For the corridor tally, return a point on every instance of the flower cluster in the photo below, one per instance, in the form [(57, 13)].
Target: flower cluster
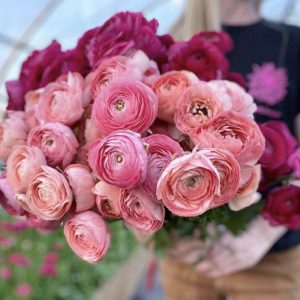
[(116, 139)]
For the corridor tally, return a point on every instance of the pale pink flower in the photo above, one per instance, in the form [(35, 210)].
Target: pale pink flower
[(32, 99), (88, 236), (81, 182), (125, 104), (57, 142), (23, 164), (140, 212), (116, 156), (13, 131)]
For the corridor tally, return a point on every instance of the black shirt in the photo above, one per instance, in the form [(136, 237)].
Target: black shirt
[(266, 42)]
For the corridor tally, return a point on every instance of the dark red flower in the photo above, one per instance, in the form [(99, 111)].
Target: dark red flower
[(283, 207), (221, 40)]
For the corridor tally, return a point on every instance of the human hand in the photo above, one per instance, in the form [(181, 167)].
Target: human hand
[(231, 254)]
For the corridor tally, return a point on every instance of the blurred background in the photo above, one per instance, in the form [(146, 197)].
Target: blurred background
[(36, 265)]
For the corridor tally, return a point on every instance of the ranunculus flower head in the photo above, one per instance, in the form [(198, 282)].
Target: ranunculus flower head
[(57, 142), (62, 100), (168, 88), (117, 156), (88, 236), (189, 185), (107, 199), (81, 182), (294, 162), (125, 104), (140, 212), (161, 151), (283, 207), (196, 106), (32, 99), (23, 164), (13, 131), (234, 132), (49, 196)]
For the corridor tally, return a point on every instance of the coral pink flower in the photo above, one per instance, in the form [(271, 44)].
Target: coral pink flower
[(118, 155), (233, 132), (168, 88), (88, 236), (62, 100), (189, 185), (81, 182), (107, 199), (49, 196), (125, 104), (140, 212), (196, 106), (13, 131), (57, 142), (23, 164), (161, 151), (23, 290)]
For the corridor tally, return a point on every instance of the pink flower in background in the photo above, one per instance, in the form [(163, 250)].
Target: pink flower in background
[(81, 182), (189, 185), (168, 88), (294, 162), (50, 258), (23, 290), (62, 100), (118, 155), (267, 83), (48, 270), (161, 151), (88, 236), (125, 104), (140, 212), (49, 196), (197, 105), (5, 273), (57, 142), (7, 242), (23, 164), (15, 227), (107, 199), (57, 247), (19, 259), (13, 131)]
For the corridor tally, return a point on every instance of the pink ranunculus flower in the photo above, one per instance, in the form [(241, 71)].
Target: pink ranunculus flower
[(82, 153), (195, 107), (294, 162), (91, 132), (247, 193), (81, 182), (23, 164), (151, 74), (88, 236), (120, 159), (229, 172), (140, 212), (7, 197), (233, 97), (13, 131), (57, 142), (113, 69), (125, 104), (49, 196), (168, 89), (32, 100), (107, 200), (62, 100), (234, 132), (161, 151), (189, 185)]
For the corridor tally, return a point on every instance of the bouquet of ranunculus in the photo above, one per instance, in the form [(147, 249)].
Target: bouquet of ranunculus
[(130, 126)]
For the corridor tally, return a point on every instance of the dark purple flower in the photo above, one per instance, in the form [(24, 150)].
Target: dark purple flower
[(283, 207)]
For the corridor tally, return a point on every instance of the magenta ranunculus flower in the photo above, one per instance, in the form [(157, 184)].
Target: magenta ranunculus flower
[(57, 142), (283, 207), (189, 185), (120, 159), (140, 212), (125, 104), (280, 144), (88, 236), (161, 151)]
